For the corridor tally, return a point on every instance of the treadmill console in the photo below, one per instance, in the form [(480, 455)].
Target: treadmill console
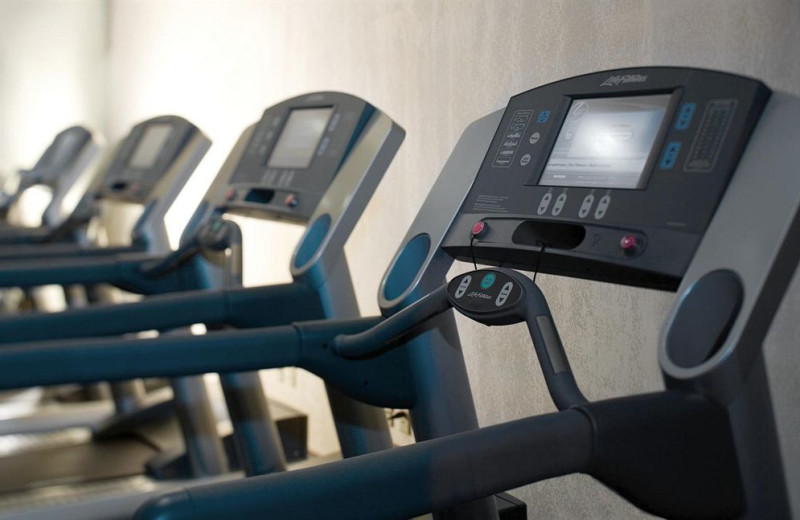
[(615, 175), (144, 156), (62, 152), (293, 154)]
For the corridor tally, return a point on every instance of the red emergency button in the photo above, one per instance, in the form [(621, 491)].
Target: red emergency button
[(478, 228), (291, 200), (629, 243)]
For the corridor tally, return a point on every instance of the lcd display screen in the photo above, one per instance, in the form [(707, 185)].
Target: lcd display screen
[(605, 142), (299, 138), (146, 153)]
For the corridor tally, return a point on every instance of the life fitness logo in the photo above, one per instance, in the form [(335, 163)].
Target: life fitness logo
[(613, 81)]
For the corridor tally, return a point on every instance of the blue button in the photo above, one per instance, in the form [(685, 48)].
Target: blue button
[(670, 155), (685, 115), (487, 281), (544, 115)]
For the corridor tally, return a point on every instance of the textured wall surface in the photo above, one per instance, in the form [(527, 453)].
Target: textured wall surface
[(52, 74), (435, 67)]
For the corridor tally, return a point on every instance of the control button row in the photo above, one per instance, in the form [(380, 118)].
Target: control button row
[(583, 212)]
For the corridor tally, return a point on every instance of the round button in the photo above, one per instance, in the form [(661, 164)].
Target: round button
[(534, 138), (629, 243), (291, 200), (478, 228), (487, 281), (525, 159)]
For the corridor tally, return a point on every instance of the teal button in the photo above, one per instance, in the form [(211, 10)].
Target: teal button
[(487, 281)]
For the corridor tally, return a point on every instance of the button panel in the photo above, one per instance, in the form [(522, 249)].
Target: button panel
[(667, 208), (486, 291), (513, 136)]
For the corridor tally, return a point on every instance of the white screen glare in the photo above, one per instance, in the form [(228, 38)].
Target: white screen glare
[(299, 138), (149, 146), (605, 142)]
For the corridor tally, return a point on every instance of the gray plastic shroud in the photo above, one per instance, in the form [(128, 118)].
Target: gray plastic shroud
[(151, 227), (436, 216), (319, 262), (444, 403), (215, 269), (215, 195), (754, 234), (77, 175)]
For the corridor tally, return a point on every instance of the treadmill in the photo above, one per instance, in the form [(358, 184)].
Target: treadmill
[(63, 167), (428, 376), (317, 156), (710, 208), (149, 167)]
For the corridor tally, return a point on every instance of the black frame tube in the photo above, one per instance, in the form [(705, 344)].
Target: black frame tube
[(239, 307), (398, 483)]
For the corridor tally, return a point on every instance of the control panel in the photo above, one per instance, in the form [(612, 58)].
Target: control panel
[(64, 150), (144, 156), (490, 296), (294, 152), (612, 175)]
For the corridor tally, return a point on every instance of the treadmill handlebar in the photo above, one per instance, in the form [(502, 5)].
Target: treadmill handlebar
[(22, 235), (498, 296), (397, 483), (53, 251), (383, 380), (215, 235), (239, 306), (168, 263), (490, 296), (388, 331), (70, 270), (669, 453), (155, 313)]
